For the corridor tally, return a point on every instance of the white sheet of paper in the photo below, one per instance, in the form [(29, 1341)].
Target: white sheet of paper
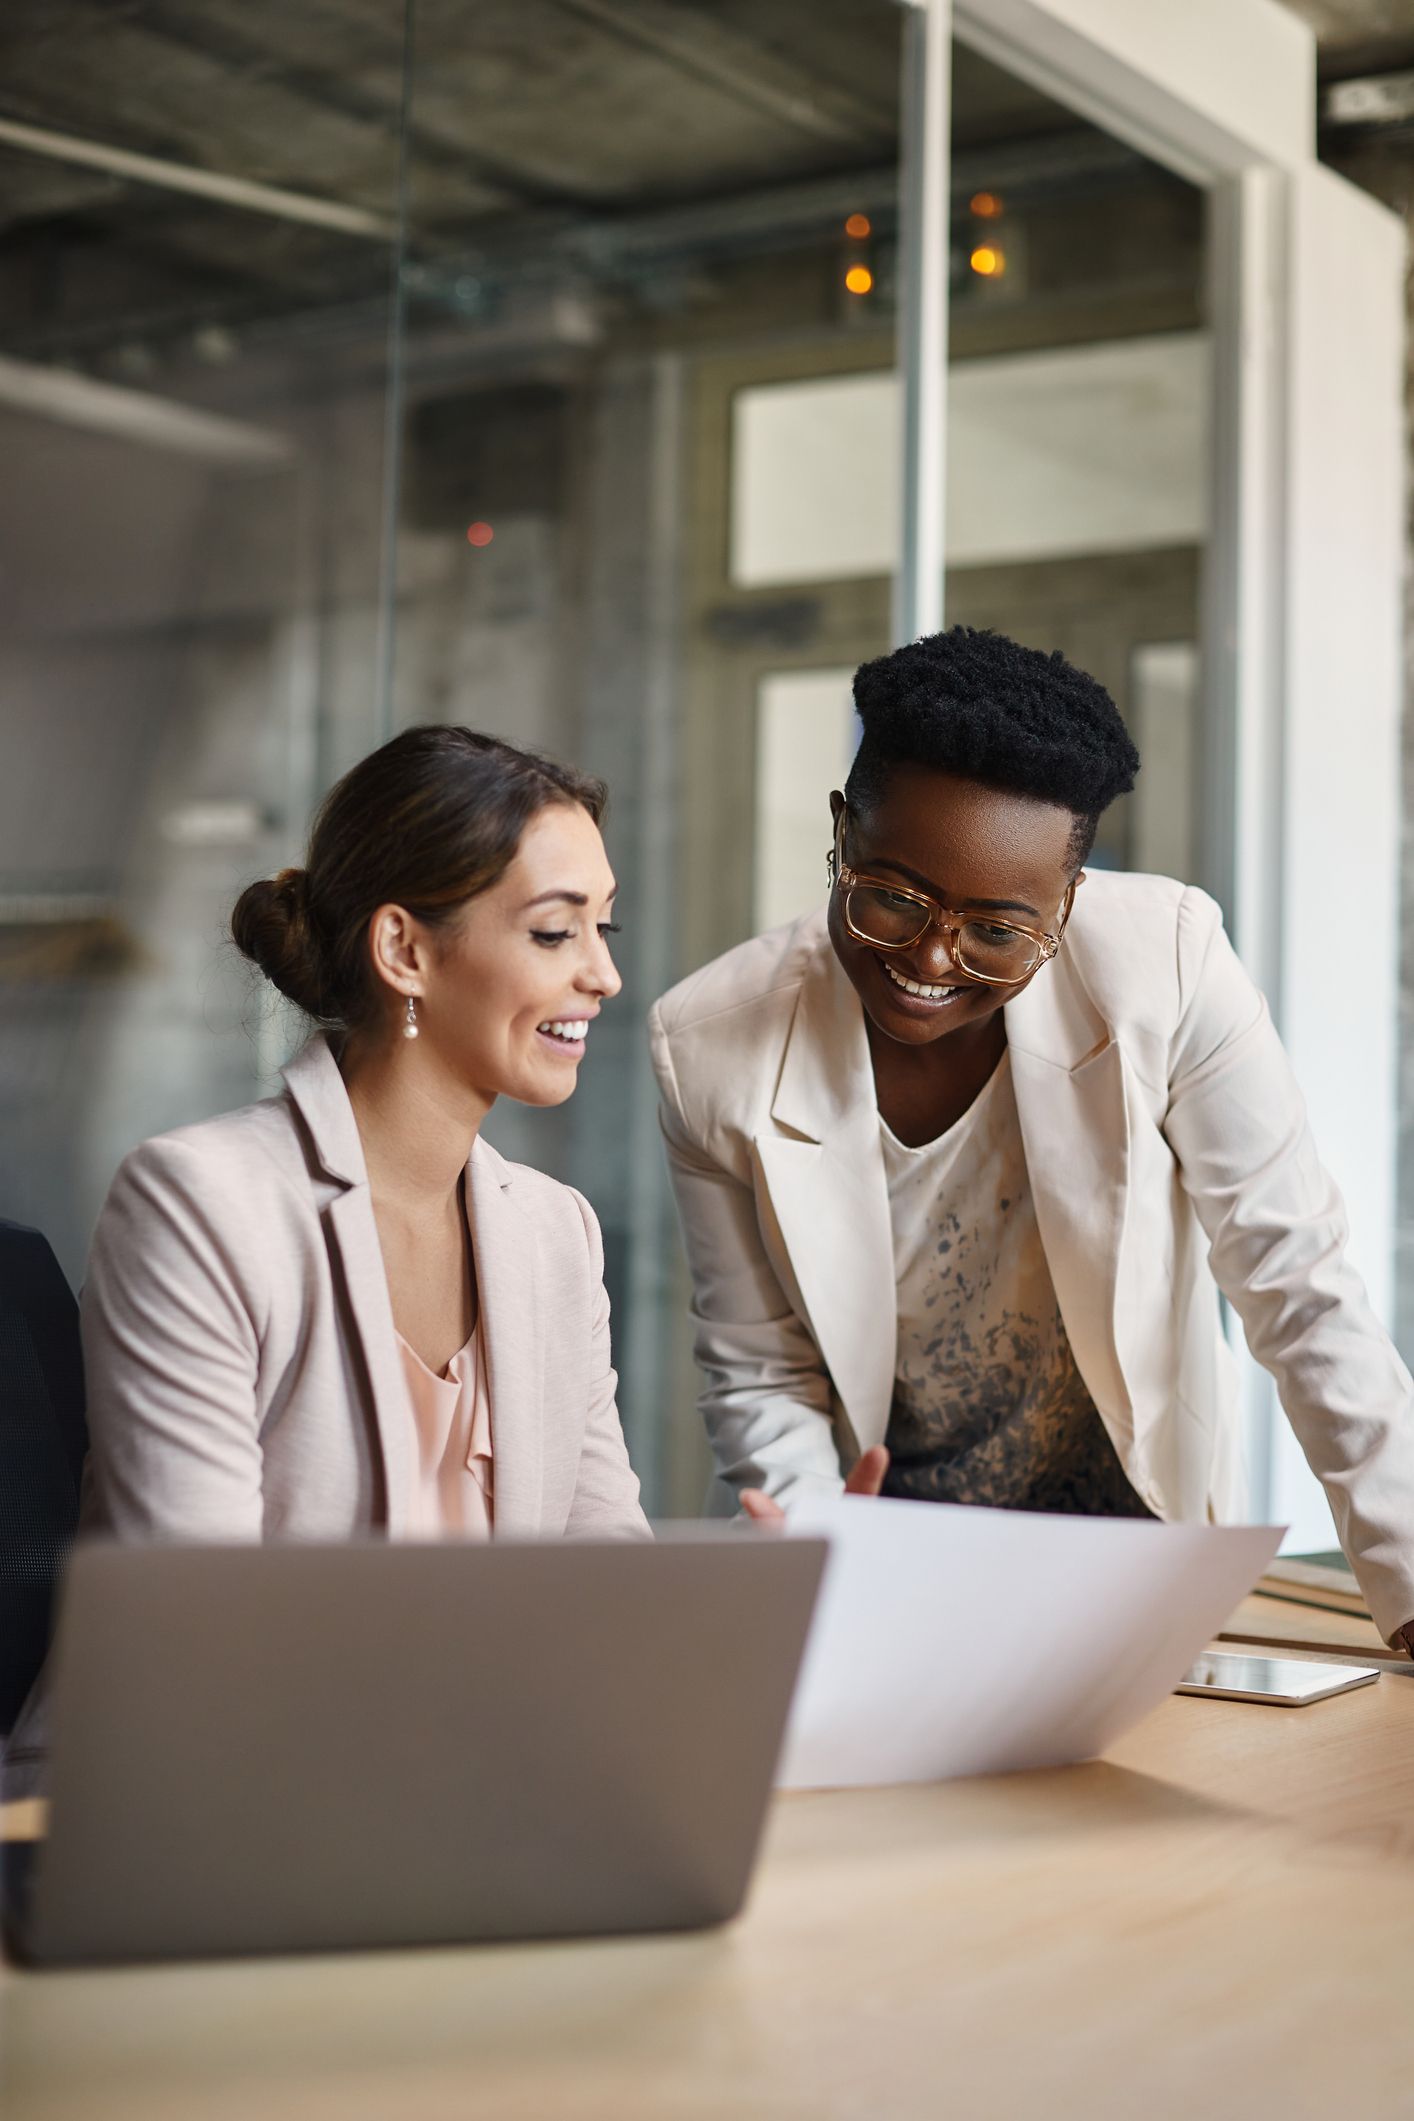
[(950, 1641)]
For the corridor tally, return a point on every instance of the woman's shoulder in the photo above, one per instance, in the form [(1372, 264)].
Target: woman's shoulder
[(1143, 944), (1121, 910), (246, 1156), (763, 974), (222, 1206), (557, 1213)]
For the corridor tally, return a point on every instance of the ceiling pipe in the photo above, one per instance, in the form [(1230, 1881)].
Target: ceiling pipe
[(237, 192), (137, 416)]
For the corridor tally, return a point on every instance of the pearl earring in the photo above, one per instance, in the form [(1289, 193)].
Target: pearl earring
[(410, 1027)]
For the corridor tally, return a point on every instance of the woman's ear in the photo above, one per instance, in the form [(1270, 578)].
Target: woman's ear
[(397, 950), (832, 859)]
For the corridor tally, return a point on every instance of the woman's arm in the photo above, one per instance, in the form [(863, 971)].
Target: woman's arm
[(1277, 1232), (766, 1398), (171, 1356)]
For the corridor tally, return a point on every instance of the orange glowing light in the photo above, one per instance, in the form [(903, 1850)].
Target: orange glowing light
[(985, 204), (859, 226), (859, 279), (479, 534), (988, 262)]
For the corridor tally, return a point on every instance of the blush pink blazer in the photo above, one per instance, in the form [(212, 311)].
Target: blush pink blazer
[(244, 1377)]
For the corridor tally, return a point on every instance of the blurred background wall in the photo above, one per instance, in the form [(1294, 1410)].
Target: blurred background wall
[(1367, 133)]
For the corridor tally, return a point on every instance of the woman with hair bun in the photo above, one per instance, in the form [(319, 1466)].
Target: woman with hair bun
[(340, 1311)]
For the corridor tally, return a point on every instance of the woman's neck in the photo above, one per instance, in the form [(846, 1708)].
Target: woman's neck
[(922, 1091), (416, 1124)]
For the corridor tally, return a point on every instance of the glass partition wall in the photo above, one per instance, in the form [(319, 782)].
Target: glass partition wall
[(196, 235), (681, 204), (1078, 423), (366, 366)]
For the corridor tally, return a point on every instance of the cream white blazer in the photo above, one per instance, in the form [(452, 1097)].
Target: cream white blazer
[(243, 1374), (1169, 1156)]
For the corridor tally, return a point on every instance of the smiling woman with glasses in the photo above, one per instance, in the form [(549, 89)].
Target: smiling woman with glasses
[(965, 1157)]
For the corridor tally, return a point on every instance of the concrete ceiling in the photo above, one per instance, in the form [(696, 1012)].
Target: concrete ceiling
[(549, 128), (1358, 34), (529, 118), (516, 103)]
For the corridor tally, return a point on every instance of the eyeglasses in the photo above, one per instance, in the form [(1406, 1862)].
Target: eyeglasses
[(888, 916)]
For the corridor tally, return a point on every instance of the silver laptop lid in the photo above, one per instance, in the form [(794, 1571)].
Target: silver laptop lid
[(290, 1747)]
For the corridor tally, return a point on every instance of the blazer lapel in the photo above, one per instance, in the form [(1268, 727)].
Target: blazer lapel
[(512, 1321), (349, 1217), (316, 1088), (1068, 1074), (823, 1170)]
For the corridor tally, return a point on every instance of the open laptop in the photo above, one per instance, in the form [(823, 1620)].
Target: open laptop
[(287, 1748)]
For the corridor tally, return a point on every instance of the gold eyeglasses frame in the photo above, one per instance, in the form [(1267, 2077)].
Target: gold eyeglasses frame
[(936, 915)]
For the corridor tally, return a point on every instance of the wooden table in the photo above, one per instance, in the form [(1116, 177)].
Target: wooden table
[(1218, 1919)]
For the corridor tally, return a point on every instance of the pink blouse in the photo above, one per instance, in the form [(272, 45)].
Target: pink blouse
[(453, 1493)]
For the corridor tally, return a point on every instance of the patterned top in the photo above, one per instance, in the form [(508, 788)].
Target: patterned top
[(988, 1406)]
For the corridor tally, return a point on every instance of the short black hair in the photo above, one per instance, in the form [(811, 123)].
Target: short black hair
[(981, 706)]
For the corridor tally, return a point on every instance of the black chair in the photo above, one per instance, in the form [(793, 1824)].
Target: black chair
[(43, 1439)]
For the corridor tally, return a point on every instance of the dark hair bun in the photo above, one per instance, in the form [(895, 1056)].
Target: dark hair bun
[(271, 925)]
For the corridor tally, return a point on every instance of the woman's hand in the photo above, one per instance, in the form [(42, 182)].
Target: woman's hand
[(866, 1478)]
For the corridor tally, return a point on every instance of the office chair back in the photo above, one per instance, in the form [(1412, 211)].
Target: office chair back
[(43, 1439)]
